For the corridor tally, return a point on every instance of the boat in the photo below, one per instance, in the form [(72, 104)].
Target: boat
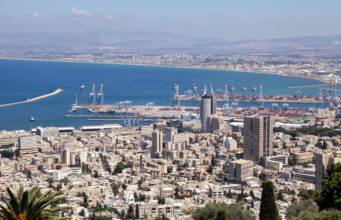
[(82, 87), (32, 119)]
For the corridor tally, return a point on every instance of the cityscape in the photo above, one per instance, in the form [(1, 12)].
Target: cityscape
[(152, 125)]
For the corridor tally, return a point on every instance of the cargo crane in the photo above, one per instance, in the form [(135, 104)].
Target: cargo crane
[(254, 90), (176, 95), (100, 96), (261, 96), (225, 96), (244, 91), (194, 88), (231, 89), (92, 95)]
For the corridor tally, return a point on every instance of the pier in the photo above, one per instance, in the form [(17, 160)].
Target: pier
[(34, 99), (270, 99)]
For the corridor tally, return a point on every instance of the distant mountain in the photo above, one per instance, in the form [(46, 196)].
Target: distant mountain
[(158, 42)]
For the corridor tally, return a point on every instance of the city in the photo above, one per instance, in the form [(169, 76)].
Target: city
[(170, 110)]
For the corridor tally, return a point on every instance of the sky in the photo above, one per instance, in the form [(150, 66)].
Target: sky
[(228, 19)]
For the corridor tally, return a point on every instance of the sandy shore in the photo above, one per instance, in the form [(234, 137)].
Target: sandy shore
[(34, 99)]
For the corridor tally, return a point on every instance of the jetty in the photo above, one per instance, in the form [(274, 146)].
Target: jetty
[(57, 91)]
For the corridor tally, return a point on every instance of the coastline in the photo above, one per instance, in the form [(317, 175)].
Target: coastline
[(163, 66)]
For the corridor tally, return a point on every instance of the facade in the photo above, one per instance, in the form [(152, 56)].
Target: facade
[(240, 170), (28, 145), (258, 137), (47, 132), (72, 156), (157, 142)]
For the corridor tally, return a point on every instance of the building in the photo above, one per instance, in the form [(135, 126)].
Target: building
[(65, 172), (157, 142), (47, 132), (258, 137), (170, 133), (240, 170), (160, 126), (208, 106), (213, 123), (72, 156), (230, 144), (322, 160), (28, 145)]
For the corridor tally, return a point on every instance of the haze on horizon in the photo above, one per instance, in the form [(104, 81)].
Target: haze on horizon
[(230, 20)]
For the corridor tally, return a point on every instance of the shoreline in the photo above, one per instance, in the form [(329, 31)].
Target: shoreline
[(57, 91), (178, 67)]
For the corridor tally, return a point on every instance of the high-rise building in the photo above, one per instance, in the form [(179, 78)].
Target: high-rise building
[(157, 142), (213, 123), (208, 106), (160, 126), (258, 137)]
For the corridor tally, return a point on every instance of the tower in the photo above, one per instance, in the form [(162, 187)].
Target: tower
[(157, 142), (208, 107), (258, 137)]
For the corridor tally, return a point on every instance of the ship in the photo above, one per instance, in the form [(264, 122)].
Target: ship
[(82, 87), (32, 119)]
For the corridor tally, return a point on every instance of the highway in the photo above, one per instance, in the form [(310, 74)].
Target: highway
[(33, 99)]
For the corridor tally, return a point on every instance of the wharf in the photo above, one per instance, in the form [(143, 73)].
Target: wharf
[(278, 99)]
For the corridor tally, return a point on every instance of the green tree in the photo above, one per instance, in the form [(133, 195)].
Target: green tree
[(330, 214), (29, 174), (297, 208), (252, 194), (130, 213), (31, 204), (58, 167), (234, 212), (137, 212), (268, 208), (120, 167), (221, 214), (161, 199), (238, 212), (330, 196), (115, 189), (50, 181)]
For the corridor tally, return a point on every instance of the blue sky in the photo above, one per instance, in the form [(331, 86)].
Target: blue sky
[(232, 20)]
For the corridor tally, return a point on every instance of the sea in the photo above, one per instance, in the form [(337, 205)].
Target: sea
[(23, 79)]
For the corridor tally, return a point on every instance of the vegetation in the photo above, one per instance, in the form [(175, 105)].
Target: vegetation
[(309, 130), (268, 208), (297, 208), (221, 214), (119, 167), (331, 214), (213, 211), (31, 204), (330, 196), (161, 200)]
